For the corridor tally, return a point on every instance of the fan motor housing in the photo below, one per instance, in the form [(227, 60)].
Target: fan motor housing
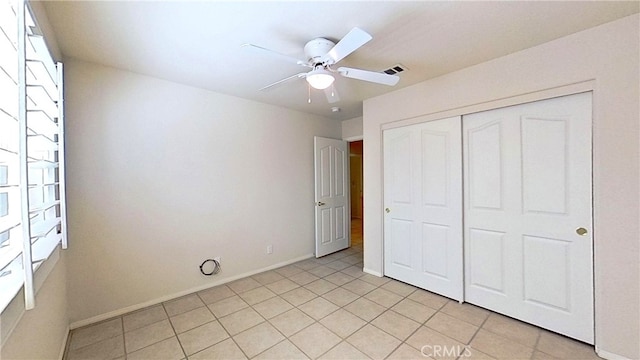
[(317, 48)]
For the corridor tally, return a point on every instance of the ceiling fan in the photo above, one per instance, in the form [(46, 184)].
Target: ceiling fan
[(321, 55)]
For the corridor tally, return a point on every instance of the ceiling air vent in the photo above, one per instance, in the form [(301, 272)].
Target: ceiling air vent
[(395, 69)]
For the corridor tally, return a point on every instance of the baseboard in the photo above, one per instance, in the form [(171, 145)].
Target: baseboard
[(64, 343), (609, 355), (128, 309), (372, 272)]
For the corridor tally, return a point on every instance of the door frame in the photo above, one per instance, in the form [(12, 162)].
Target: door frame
[(349, 140), (361, 175)]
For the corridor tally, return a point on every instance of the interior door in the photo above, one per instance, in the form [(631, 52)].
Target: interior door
[(528, 242), (423, 206), (333, 222)]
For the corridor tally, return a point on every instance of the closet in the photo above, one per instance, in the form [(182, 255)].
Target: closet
[(495, 209)]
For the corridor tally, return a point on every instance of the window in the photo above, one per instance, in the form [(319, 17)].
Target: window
[(32, 192)]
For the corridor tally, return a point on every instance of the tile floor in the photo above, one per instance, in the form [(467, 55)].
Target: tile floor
[(323, 308)]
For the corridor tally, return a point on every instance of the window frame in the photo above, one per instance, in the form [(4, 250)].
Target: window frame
[(40, 192)]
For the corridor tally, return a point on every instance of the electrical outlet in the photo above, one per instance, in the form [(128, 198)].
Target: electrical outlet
[(269, 249)]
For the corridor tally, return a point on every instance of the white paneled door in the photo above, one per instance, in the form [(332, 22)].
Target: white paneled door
[(423, 206), (333, 222), (528, 227)]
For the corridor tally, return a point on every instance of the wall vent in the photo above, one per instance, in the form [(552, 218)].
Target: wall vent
[(395, 69)]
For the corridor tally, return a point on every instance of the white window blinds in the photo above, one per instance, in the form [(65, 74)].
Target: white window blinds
[(32, 191)]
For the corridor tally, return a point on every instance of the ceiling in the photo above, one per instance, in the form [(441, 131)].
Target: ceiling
[(198, 43)]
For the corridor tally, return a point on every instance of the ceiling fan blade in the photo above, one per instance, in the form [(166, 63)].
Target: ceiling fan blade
[(260, 49), (270, 86), (332, 94), (349, 43), (371, 76)]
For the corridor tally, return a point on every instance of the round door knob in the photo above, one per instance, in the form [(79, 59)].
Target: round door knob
[(387, 210), (581, 231)]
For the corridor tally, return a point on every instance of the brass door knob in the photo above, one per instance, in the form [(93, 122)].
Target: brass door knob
[(581, 231), (387, 210)]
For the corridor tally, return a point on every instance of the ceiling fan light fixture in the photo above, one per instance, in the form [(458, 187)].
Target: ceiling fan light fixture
[(320, 78)]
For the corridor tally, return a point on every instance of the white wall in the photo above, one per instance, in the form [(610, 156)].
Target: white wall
[(604, 59), (352, 129), (163, 176), (39, 333)]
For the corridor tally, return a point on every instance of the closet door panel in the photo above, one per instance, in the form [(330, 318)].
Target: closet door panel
[(422, 191), (485, 165), (528, 203), (486, 251)]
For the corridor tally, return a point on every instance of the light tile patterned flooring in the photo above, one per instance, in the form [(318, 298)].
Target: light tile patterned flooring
[(323, 308)]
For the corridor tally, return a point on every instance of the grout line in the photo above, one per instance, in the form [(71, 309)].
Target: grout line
[(237, 345), (124, 342), (480, 327), (405, 297), (535, 345), (74, 331), (286, 338), (175, 333), (297, 307)]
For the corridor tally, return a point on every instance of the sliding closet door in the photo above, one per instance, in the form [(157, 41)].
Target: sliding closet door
[(528, 228), (423, 206)]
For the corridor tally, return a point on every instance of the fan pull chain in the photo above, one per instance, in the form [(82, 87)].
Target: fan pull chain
[(309, 93)]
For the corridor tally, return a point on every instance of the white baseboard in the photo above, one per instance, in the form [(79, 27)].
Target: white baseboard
[(609, 355), (372, 272), (128, 309)]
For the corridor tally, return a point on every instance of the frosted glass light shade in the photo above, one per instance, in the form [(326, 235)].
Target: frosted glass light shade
[(320, 79)]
